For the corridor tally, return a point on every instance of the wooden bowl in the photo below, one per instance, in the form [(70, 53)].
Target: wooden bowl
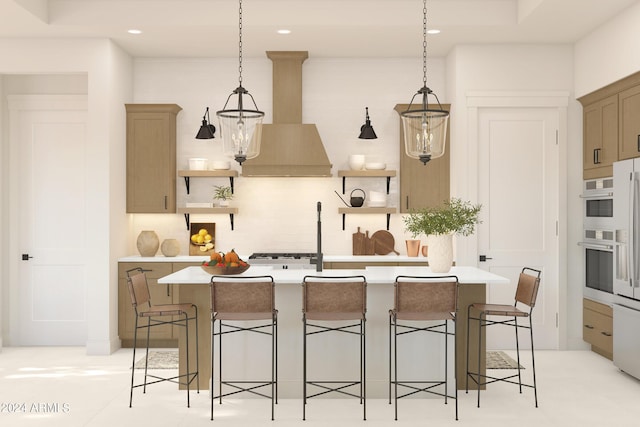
[(224, 271)]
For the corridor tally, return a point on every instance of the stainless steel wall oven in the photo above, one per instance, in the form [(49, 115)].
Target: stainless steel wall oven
[(598, 203), (598, 246)]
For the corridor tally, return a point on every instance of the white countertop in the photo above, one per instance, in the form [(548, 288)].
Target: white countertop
[(374, 275), (325, 258)]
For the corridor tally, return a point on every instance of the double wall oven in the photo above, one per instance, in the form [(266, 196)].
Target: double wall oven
[(598, 239)]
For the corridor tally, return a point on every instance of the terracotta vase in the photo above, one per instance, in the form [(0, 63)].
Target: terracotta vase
[(425, 250), (413, 247), (170, 247), (440, 252), (148, 243)]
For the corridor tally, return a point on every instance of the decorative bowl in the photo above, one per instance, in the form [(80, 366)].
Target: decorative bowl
[(221, 165), (198, 164), (224, 271), (375, 166)]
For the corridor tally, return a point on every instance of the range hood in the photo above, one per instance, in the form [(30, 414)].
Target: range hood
[(288, 147)]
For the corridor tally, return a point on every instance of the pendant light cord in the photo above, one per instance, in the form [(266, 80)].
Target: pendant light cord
[(424, 42), (240, 43)]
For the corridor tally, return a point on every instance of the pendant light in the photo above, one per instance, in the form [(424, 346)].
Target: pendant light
[(425, 129), (366, 130), (240, 129), (207, 130)]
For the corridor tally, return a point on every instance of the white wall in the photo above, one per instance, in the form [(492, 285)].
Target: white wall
[(108, 72), (608, 54)]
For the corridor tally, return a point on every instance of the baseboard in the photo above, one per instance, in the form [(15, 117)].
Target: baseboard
[(103, 347)]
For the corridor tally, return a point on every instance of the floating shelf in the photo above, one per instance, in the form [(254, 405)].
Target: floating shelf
[(366, 174), (366, 211), (188, 211), (187, 174)]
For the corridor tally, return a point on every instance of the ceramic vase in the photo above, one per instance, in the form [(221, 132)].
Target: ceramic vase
[(440, 252), (425, 250), (413, 247), (148, 243), (170, 247)]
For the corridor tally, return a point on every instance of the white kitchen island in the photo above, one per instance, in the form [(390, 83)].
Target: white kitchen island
[(247, 356)]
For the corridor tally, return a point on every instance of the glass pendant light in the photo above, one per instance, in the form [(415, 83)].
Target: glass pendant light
[(207, 130), (240, 129), (366, 130), (425, 129)]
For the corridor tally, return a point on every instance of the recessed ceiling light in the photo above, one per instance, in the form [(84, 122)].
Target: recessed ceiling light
[(134, 31), (433, 31), (284, 31)]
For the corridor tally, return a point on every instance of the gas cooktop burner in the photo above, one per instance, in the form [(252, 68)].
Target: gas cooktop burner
[(282, 255)]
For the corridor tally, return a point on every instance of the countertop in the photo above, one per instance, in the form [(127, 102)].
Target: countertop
[(325, 258), (374, 275)]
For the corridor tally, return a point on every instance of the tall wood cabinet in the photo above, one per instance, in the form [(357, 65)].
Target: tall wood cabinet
[(423, 185), (629, 123), (151, 158)]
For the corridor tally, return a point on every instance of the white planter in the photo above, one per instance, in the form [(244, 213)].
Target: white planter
[(440, 252)]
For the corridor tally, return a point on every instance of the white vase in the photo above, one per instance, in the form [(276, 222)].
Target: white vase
[(440, 252)]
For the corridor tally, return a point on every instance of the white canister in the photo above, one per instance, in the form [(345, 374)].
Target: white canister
[(356, 162)]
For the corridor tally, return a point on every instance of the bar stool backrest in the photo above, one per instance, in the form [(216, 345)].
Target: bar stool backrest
[(416, 296), (334, 298), (138, 289), (527, 290), (249, 298)]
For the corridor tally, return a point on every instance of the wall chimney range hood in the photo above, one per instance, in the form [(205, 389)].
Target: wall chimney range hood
[(288, 147)]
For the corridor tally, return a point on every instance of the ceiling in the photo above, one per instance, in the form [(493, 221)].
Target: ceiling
[(325, 28)]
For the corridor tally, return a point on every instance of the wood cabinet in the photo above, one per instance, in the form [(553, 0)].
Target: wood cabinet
[(423, 185), (611, 126), (600, 130), (160, 336), (151, 158), (629, 123), (597, 327)]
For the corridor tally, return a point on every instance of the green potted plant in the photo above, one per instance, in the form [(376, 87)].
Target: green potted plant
[(439, 224), (223, 194)]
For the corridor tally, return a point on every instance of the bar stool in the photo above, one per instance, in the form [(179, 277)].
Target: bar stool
[(249, 300), (327, 301), (422, 299), (158, 315), (526, 294)]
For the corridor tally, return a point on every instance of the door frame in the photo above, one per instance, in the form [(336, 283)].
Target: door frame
[(17, 103), (559, 100)]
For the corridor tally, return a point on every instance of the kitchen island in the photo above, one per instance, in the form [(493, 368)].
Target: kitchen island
[(421, 356)]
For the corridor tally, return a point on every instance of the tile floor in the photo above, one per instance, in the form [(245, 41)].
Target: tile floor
[(61, 386)]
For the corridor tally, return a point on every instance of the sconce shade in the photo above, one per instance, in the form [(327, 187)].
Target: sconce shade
[(366, 130), (207, 131)]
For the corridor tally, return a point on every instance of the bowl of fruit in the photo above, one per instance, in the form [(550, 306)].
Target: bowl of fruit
[(225, 264)]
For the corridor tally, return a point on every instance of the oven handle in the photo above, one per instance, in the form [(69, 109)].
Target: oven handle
[(589, 245), (596, 196)]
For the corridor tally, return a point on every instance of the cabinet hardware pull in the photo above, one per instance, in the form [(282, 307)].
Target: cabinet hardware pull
[(606, 334), (168, 294), (596, 156), (588, 326), (407, 202), (639, 143), (165, 203)]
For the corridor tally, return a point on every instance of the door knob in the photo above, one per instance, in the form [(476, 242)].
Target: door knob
[(26, 257), (484, 258)]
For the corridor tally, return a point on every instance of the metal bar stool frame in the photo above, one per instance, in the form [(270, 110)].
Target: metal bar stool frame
[(253, 299), (348, 303), (421, 304), (140, 296), (526, 294)]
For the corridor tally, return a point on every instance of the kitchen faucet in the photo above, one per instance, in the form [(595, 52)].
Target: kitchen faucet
[(319, 254)]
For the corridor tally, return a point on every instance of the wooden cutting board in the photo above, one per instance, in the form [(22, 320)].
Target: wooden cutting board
[(384, 242), (359, 243), (369, 245)]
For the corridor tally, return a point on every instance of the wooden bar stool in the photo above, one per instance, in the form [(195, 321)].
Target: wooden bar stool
[(329, 301), (526, 294), (158, 315), (418, 300), (244, 304)]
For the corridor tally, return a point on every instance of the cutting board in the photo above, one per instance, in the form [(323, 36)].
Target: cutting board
[(384, 242), (358, 243), (369, 245)]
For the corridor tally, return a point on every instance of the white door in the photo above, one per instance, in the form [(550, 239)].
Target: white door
[(48, 221), (519, 189)]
